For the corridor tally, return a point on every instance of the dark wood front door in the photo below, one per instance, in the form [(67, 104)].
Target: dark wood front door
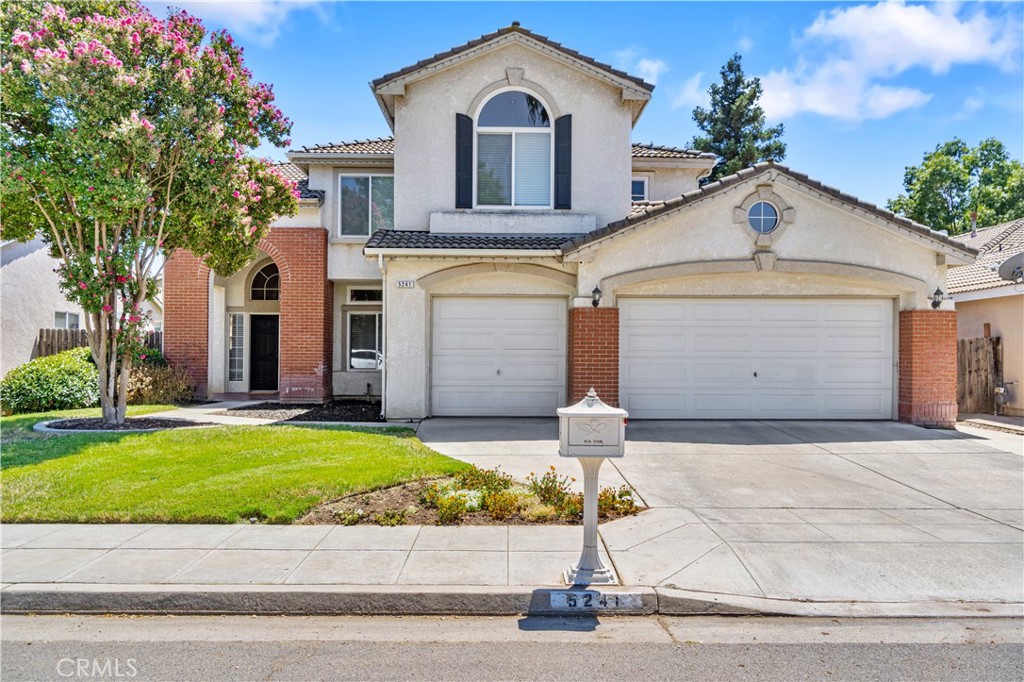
[(263, 353)]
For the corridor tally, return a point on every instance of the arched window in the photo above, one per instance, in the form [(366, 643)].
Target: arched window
[(513, 152), (266, 284)]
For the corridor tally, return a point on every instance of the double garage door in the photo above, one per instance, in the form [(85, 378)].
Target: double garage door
[(679, 358), (756, 358)]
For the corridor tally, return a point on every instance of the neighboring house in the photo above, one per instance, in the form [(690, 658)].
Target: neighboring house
[(983, 297), (510, 247), (32, 300)]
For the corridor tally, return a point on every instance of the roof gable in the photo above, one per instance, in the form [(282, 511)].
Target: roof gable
[(996, 244), (391, 85), (651, 211)]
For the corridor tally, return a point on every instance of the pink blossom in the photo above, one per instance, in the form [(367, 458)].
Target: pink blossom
[(134, 318), (83, 285), (236, 194), (121, 279), (91, 188), (107, 308), (142, 357), (21, 38), (25, 66)]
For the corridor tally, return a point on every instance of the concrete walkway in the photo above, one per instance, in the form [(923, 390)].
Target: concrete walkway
[(813, 518)]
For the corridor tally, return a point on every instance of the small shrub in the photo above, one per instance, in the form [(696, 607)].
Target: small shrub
[(393, 517), (539, 512), (501, 505), (430, 494), (488, 480), (570, 506), (451, 509), (348, 517), (156, 384), (64, 381), (150, 356), (549, 488), (615, 502)]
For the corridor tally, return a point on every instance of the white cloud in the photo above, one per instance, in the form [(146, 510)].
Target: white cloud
[(690, 94), (259, 21), (648, 68), (849, 53), (972, 105), (745, 44)]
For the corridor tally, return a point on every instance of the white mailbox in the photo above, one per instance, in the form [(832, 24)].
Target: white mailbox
[(591, 429)]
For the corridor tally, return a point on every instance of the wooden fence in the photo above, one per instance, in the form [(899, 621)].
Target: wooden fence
[(979, 369), (53, 341)]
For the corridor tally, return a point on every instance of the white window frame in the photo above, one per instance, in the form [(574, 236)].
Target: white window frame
[(513, 130), (349, 290), (67, 314), (348, 338), (369, 217), (647, 185), (245, 350)]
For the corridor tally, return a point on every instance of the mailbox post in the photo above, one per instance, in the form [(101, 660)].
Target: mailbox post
[(591, 431)]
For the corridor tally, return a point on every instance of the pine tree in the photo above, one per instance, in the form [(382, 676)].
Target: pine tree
[(734, 125)]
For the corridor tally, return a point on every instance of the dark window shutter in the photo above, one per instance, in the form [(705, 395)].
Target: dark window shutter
[(463, 161), (563, 162)]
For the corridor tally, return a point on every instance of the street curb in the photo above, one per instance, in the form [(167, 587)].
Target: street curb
[(676, 602), (322, 600), (433, 600)]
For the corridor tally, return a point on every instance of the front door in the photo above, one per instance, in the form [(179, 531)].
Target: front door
[(263, 353)]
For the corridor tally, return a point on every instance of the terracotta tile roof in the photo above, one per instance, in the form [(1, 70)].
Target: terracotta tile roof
[(408, 239), (386, 145), (380, 145), (514, 28), (995, 244), (655, 151), (646, 211), (290, 170)]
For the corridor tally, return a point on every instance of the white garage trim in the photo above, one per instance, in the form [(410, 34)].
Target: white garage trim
[(498, 356), (757, 358)]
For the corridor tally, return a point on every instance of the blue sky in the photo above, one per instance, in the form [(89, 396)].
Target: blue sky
[(863, 89)]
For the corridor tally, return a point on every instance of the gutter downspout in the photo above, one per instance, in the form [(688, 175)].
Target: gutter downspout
[(384, 335)]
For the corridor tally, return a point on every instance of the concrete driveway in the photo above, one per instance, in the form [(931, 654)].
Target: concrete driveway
[(818, 511)]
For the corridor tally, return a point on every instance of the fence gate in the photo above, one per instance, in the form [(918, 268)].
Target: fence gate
[(979, 369)]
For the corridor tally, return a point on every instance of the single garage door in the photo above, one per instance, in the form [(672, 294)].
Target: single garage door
[(500, 356), (756, 358)]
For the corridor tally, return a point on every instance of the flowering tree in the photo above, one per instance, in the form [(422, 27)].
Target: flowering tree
[(125, 137)]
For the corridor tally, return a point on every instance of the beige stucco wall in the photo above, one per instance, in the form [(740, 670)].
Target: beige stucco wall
[(307, 216), (820, 235), (425, 127), (407, 335), (30, 297), (668, 183), (1006, 317), (351, 382)]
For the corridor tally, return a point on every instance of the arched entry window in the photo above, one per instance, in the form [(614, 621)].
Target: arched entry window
[(514, 152), (266, 284)]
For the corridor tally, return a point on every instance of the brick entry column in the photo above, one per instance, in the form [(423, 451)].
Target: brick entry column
[(927, 369), (594, 353), (187, 316), (307, 304)]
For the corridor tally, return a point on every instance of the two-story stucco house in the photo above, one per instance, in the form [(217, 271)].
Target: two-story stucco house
[(510, 247)]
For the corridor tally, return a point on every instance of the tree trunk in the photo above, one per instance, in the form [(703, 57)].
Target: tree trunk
[(112, 413)]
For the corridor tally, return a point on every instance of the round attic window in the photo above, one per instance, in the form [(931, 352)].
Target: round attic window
[(763, 217)]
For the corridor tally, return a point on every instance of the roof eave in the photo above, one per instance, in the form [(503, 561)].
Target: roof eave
[(461, 253)]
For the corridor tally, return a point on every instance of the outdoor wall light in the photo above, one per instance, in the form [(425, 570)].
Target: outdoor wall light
[(937, 298), (596, 295)]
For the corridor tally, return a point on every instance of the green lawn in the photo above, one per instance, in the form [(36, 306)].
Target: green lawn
[(213, 475)]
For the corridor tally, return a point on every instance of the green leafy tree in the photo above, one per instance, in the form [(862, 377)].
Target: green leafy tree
[(956, 180), (734, 125), (125, 137)]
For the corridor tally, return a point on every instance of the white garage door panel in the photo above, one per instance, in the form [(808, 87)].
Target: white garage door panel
[(498, 356), (814, 358)]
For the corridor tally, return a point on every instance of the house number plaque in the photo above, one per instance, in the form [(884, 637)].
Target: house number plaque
[(405, 284)]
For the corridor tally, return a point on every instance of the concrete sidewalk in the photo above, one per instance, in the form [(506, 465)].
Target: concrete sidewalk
[(807, 518)]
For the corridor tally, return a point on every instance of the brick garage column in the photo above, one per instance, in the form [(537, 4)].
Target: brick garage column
[(927, 369), (307, 303), (594, 353), (187, 316)]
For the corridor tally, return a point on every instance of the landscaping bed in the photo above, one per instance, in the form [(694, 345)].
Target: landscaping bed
[(335, 411), (474, 497), (130, 424)]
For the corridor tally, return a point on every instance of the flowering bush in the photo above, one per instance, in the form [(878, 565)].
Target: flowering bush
[(125, 137), (64, 381)]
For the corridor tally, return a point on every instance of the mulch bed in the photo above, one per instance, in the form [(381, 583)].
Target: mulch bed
[(336, 411), (130, 424)]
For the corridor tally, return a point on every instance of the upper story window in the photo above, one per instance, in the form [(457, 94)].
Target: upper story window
[(639, 189), (366, 204), (266, 284), (514, 152)]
